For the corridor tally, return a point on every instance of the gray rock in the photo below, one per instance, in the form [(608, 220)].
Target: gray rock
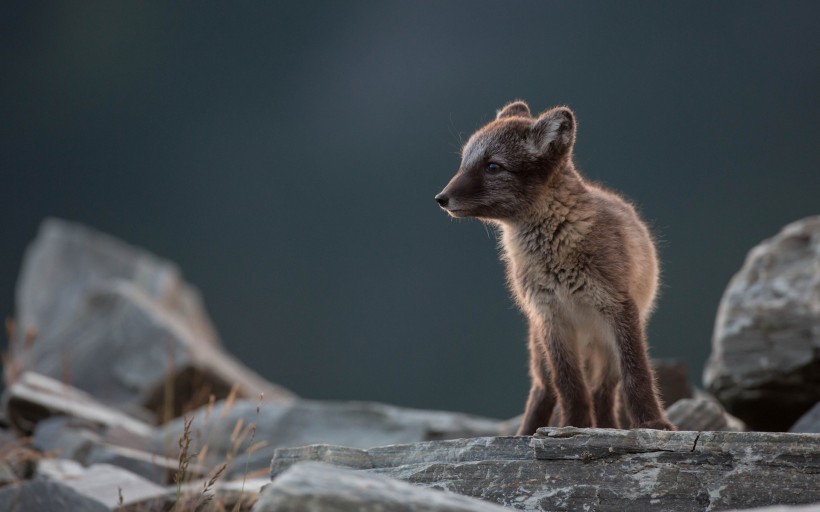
[(783, 508), (702, 414), (68, 260), (99, 435), (765, 362), (323, 488), (43, 495), (600, 469), (809, 422), (34, 397), (102, 483), (151, 466), (354, 424), (65, 438), (116, 321)]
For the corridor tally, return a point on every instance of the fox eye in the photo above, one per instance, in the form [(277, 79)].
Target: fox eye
[(493, 167)]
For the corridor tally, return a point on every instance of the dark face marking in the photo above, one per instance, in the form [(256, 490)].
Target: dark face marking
[(500, 176)]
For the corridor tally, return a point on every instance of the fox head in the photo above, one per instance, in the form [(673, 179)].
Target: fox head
[(506, 164)]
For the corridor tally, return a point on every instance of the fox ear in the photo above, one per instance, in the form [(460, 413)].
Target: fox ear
[(554, 132), (516, 108)]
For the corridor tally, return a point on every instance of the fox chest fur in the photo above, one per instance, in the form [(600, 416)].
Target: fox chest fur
[(548, 266), (551, 275)]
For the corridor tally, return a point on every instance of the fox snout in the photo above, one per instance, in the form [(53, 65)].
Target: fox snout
[(452, 198)]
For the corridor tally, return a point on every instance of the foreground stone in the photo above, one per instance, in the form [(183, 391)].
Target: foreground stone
[(600, 469), (765, 362), (43, 495), (101, 482), (115, 320), (245, 433), (323, 488)]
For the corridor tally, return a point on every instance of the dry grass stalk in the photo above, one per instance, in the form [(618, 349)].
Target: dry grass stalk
[(184, 458), (229, 401)]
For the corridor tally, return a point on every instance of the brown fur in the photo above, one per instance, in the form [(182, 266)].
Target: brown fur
[(580, 262)]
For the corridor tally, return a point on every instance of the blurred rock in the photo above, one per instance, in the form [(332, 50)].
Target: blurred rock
[(34, 397), (322, 488), (116, 321), (809, 422), (702, 414), (765, 362), (65, 438), (585, 469), (43, 495), (231, 430), (152, 467), (100, 482)]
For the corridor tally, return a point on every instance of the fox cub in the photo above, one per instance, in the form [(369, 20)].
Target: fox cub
[(580, 262)]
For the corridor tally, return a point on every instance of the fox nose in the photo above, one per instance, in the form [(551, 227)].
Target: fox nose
[(442, 199)]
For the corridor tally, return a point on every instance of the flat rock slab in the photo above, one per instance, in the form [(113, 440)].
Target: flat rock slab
[(323, 488), (34, 397), (600, 469)]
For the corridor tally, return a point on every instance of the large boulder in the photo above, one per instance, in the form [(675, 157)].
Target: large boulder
[(118, 322), (765, 362), (598, 469)]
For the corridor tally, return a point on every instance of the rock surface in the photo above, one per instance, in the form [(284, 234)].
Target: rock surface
[(44, 495), (809, 422), (102, 482), (784, 508), (34, 397), (765, 362), (323, 488), (601, 469), (296, 423), (113, 319)]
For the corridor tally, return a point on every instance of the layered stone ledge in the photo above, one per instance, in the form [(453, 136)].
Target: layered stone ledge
[(599, 469)]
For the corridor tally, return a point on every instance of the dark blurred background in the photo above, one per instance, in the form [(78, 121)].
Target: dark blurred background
[(286, 154)]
